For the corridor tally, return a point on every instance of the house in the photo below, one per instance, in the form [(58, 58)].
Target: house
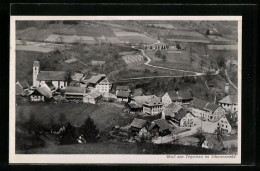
[(109, 96), (227, 124), (229, 141), (122, 88), (21, 87), (50, 86), (136, 103), (137, 124), (184, 118), (92, 97), (40, 94), (160, 127), (138, 92), (207, 111), (74, 93), (153, 106), (178, 97), (229, 103), (57, 78), (100, 83), (212, 142), (170, 111), (123, 96)]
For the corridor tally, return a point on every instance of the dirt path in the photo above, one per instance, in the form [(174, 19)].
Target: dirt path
[(233, 85)]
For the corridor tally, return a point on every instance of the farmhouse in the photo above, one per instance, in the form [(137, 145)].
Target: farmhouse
[(227, 124), (136, 104), (137, 125), (178, 97), (57, 78), (122, 88), (184, 118), (92, 97), (207, 111), (40, 94), (74, 93), (153, 106), (97, 63), (100, 83), (170, 111), (123, 96), (21, 87), (229, 103), (160, 127), (212, 142)]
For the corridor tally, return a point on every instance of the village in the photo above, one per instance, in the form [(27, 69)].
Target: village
[(126, 113)]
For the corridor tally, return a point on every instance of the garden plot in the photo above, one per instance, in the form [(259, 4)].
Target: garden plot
[(129, 59), (70, 39)]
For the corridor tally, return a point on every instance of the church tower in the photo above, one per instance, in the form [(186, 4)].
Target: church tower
[(36, 70)]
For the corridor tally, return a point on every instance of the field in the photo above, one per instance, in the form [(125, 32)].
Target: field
[(34, 48), (169, 26), (189, 40), (177, 61), (222, 47), (129, 59), (134, 37), (105, 115), (70, 39)]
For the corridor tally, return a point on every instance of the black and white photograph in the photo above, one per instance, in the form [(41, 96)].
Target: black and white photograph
[(124, 89)]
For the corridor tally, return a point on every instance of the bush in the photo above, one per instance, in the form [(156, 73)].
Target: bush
[(89, 130)]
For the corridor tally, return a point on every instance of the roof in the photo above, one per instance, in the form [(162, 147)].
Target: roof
[(228, 137), (24, 84), (153, 101), (179, 95), (140, 100), (180, 114), (77, 76), (94, 94), (96, 78), (50, 85), (123, 94), (138, 92), (198, 103), (123, 88), (162, 123), (213, 142), (44, 91), (211, 107), (230, 99), (171, 109), (104, 81), (19, 89), (138, 123), (36, 63), (134, 106), (77, 90), (232, 120), (52, 76)]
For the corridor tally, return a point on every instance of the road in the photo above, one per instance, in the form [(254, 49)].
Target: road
[(230, 82)]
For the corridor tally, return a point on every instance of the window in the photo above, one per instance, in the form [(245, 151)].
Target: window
[(226, 126)]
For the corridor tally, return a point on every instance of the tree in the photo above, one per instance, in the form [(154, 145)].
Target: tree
[(68, 76), (201, 63), (178, 46), (158, 54), (62, 118), (89, 130), (164, 58), (221, 62)]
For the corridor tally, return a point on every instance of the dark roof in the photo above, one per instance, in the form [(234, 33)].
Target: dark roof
[(153, 101), (134, 106), (232, 120), (180, 114), (198, 103), (94, 94), (179, 95), (138, 123), (24, 84), (52, 76), (123, 88), (50, 85), (211, 107), (77, 90), (162, 124), (230, 99), (42, 91), (171, 109), (96, 78), (123, 94)]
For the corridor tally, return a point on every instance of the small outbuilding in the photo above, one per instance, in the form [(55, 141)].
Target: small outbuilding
[(137, 124), (123, 96), (92, 97), (74, 93)]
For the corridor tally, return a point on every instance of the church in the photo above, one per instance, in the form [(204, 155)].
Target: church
[(57, 78)]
